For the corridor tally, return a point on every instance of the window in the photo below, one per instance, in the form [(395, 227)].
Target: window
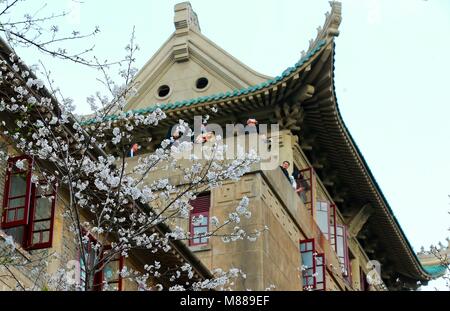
[(326, 220), (323, 216), (163, 91), (201, 83), (199, 219), (90, 254), (333, 223), (307, 250), (42, 216), (342, 249), (110, 272), (16, 200), (320, 272), (313, 266), (28, 209)]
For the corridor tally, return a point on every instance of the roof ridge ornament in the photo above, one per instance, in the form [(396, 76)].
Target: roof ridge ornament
[(185, 18), (330, 28)]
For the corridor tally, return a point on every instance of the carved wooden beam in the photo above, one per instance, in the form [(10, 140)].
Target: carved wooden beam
[(359, 219), (289, 117)]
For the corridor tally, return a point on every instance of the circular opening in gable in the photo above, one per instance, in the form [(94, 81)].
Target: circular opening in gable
[(201, 83), (163, 90)]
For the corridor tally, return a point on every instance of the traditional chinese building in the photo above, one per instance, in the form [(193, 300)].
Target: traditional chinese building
[(336, 231), (332, 229)]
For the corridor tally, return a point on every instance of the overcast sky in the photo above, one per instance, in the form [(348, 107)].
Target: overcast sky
[(392, 78)]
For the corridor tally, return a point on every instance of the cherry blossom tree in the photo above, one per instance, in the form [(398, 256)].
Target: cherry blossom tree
[(105, 195)]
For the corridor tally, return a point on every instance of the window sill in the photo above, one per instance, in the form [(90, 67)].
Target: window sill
[(18, 248), (200, 248)]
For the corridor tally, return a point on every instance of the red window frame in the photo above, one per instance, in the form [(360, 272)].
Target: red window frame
[(321, 284), (307, 180), (319, 210), (117, 257), (333, 226), (309, 272), (98, 278), (11, 166), (97, 284), (201, 206), (31, 230), (343, 257), (25, 226)]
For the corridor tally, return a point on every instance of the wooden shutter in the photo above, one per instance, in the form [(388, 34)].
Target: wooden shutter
[(201, 204)]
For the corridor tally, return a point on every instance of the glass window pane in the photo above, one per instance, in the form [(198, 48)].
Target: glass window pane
[(20, 213), (322, 221), (18, 185), (200, 230), (18, 202), (319, 271), (308, 280), (36, 237), (302, 247), (11, 215), (43, 208), (307, 259), (340, 246), (199, 220), (111, 269), (45, 236), (41, 225)]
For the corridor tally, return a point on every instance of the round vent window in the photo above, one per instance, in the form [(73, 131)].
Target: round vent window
[(163, 91), (201, 83)]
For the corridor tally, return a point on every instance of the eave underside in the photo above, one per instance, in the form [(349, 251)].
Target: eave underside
[(383, 237)]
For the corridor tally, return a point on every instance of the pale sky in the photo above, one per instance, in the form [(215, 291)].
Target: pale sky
[(392, 78)]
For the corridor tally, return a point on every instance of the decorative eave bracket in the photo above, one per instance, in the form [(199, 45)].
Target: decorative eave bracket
[(359, 220)]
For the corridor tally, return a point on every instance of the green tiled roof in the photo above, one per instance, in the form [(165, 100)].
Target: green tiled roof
[(229, 94), (435, 270)]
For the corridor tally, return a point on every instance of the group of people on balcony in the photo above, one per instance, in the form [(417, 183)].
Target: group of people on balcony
[(206, 136), (203, 137), (296, 179)]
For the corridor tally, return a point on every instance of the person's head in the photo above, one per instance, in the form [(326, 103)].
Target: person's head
[(286, 164), (252, 122), (176, 134)]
